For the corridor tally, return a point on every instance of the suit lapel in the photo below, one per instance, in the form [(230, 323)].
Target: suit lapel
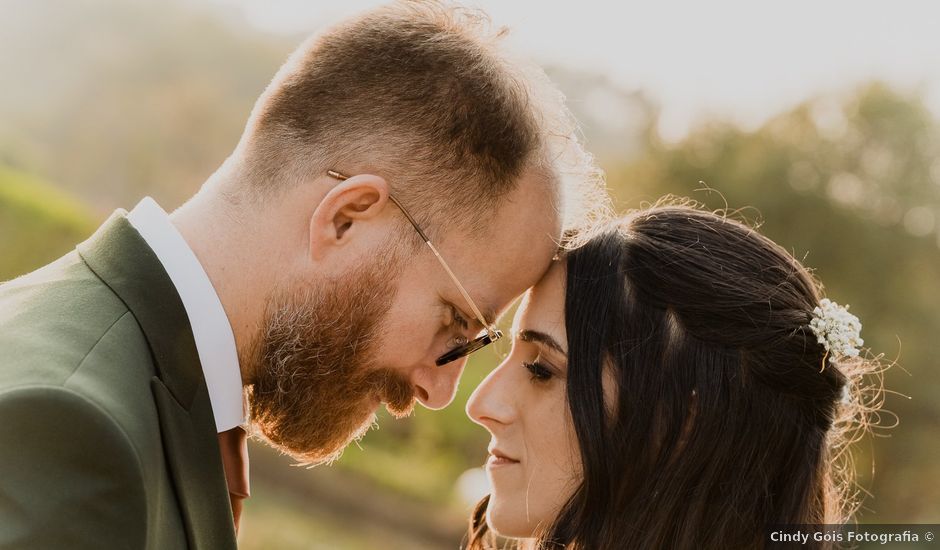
[(196, 468), (124, 261)]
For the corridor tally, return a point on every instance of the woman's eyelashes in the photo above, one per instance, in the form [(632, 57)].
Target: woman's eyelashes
[(538, 371)]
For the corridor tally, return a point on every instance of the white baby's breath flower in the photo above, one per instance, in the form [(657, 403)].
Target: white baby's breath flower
[(846, 394), (837, 330)]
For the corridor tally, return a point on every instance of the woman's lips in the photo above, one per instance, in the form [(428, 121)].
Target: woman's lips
[(497, 459)]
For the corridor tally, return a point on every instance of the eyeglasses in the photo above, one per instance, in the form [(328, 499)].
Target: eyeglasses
[(466, 347)]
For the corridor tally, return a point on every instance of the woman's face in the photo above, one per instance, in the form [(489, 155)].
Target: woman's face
[(534, 464)]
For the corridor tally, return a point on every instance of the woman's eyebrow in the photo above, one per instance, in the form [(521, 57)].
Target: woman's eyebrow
[(541, 338)]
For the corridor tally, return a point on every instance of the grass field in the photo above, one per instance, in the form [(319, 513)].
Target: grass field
[(37, 223)]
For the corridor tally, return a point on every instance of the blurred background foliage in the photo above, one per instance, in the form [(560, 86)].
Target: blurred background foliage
[(138, 100)]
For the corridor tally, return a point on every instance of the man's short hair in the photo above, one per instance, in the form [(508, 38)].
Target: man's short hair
[(418, 93)]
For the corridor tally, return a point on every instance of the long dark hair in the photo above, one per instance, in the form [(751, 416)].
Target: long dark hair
[(729, 417)]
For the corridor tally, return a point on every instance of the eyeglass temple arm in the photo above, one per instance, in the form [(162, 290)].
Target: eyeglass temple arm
[(460, 287), (427, 241)]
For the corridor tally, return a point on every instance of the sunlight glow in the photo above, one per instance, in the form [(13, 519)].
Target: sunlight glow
[(729, 58)]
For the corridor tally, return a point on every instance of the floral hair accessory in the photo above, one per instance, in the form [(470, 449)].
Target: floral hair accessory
[(836, 329), (846, 394)]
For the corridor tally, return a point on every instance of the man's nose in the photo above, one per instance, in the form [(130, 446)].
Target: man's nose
[(435, 386)]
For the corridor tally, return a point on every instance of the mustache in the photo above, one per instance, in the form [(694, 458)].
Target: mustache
[(391, 388)]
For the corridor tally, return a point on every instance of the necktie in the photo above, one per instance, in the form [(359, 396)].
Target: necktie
[(234, 447)]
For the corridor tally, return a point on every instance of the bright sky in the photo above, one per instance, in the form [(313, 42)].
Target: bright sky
[(744, 59)]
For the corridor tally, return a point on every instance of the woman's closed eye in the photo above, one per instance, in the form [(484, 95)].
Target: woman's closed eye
[(538, 371)]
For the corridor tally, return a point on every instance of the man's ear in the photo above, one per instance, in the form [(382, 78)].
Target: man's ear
[(338, 216)]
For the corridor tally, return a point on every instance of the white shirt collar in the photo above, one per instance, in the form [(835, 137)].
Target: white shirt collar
[(215, 341)]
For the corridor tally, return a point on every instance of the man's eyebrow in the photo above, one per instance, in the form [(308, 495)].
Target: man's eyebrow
[(541, 338), (489, 314)]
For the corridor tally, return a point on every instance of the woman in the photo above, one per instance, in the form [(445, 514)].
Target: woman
[(675, 382)]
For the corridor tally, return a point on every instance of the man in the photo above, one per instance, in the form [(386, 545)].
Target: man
[(396, 187)]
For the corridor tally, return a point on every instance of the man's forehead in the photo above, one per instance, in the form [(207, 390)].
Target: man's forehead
[(495, 287), (511, 255), (494, 291)]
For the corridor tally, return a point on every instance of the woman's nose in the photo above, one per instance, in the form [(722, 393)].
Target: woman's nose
[(491, 401)]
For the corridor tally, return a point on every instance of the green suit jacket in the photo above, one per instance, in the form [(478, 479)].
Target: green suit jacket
[(107, 438)]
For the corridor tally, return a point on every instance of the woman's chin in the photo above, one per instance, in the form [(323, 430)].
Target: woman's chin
[(508, 521)]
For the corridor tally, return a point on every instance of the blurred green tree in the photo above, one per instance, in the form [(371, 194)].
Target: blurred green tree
[(38, 223)]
